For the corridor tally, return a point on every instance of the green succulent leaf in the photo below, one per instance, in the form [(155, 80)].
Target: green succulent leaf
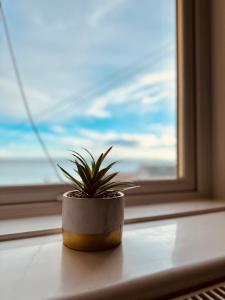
[(82, 161), (76, 182), (102, 172), (115, 186), (94, 180), (92, 158), (107, 151), (108, 178), (83, 175)]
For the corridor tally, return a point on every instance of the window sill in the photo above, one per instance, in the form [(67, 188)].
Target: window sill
[(14, 228), (175, 254)]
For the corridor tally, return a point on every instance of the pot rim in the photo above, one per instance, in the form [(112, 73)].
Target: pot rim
[(65, 195)]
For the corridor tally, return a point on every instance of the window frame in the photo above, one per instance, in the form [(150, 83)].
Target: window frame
[(193, 100)]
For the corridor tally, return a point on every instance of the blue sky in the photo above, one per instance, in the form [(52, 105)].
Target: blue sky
[(95, 73)]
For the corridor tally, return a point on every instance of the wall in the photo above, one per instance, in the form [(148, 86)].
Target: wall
[(218, 95)]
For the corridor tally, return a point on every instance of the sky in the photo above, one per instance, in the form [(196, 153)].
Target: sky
[(95, 72)]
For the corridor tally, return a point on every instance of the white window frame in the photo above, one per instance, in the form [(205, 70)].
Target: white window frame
[(193, 126)]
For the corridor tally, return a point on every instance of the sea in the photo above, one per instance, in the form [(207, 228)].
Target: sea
[(40, 171)]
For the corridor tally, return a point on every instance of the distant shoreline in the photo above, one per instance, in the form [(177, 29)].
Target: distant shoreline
[(122, 161)]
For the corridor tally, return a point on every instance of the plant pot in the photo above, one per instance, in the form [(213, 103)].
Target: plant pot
[(92, 224)]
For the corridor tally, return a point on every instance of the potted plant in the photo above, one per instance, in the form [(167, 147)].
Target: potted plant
[(93, 212)]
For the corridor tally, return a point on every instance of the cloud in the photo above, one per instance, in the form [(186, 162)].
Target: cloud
[(152, 146), (58, 129), (103, 10), (158, 144), (149, 91), (11, 102), (138, 90), (166, 137), (59, 53), (70, 49)]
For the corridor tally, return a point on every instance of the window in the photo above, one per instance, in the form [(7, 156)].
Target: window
[(95, 75)]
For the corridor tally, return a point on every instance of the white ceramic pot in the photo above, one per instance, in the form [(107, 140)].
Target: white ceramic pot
[(91, 224)]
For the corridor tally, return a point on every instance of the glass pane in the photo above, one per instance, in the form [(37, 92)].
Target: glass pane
[(96, 73)]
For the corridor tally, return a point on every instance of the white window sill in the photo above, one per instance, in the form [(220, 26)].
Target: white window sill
[(155, 259), (14, 228)]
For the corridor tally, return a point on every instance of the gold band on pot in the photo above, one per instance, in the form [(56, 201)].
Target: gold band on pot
[(92, 242)]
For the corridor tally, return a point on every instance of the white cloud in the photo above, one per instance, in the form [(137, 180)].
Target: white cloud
[(75, 142), (143, 153), (138, 90), (160, 146), (11, 102), (141, 89), (103, 10), (127, 146), (58, 129), (110, 136), (98, 109), (20, 144), (3, 153), (156, 144), (166, 137), (58, 52)]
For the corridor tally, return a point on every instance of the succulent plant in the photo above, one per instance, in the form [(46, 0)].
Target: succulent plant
[(95, 181)]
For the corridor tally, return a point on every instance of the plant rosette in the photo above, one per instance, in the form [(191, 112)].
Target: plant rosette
[(93, 213), (91, 224)]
